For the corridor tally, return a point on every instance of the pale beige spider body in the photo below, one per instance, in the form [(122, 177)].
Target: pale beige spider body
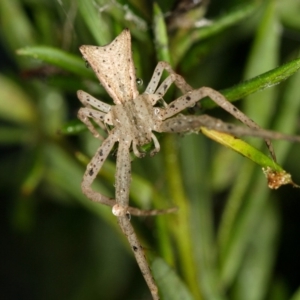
[(133, 119)]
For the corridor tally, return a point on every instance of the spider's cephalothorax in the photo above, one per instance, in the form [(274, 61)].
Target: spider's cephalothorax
[(135, 121)]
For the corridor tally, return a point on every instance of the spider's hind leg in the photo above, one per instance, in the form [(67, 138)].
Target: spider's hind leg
[(123, 178), (191, 98)]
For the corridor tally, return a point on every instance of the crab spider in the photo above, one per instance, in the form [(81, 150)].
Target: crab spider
[(132, 121)]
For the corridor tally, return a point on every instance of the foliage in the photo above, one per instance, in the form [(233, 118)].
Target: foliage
[(232, 238)]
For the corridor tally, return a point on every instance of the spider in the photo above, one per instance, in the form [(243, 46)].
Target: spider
[(131, 122)]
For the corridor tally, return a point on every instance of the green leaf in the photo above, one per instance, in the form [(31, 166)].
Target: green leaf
[(241, 147), (10, 135), (73, 127), (257, 83), (64, 173), (237, 223), (59, 58), (16, 26), (169, 284), (183, 236), (257, 266), (296, 295), (15, 104), (180, 44), (160, 34), (288, 116), (275, 174), (97, 22), (289, 13)]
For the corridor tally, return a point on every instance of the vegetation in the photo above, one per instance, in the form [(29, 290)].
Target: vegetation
[(232, 237)]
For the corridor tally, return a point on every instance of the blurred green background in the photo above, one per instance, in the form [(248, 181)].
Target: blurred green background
[(232, 238)]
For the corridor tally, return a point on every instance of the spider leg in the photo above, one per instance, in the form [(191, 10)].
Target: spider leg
[(156, 145), (136, 151), (87, 112), (139, 154), (183, 123), (123, 178), (151, 212), (88, 100), (192, 97), (134, 211), (123, 175), (174, 77), (94, 167), (91, 172), (124, 222), (120, 207)]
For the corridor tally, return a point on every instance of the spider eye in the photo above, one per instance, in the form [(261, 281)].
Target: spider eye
[(139, 81)]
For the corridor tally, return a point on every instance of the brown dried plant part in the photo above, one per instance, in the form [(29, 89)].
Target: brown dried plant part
[(278, 178), (132, 120)]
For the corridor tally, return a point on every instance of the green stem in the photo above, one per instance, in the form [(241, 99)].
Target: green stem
[(181, 225)]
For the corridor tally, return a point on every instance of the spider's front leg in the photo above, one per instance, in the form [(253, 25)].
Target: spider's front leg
[(164, 86), (89, 112), (192, 97), (94, 167), (123, 179)]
